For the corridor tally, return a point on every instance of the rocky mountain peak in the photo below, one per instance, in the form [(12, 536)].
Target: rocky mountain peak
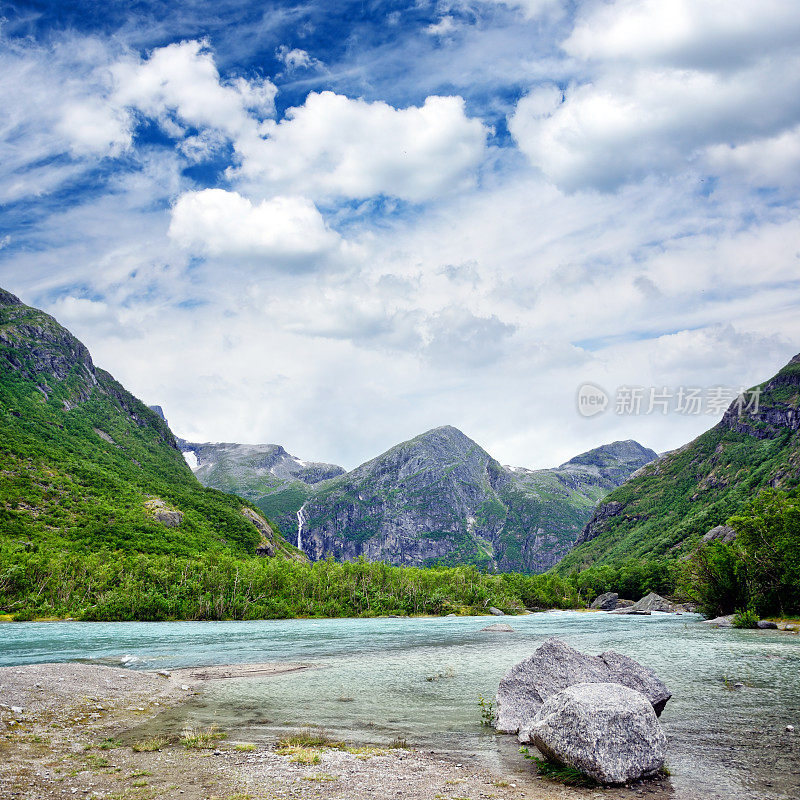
[(8, 299)]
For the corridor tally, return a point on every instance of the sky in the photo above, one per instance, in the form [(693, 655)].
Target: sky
[(334, 225)]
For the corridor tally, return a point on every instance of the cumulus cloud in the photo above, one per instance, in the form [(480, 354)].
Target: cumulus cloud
[(216, 222), (294, 58), (684, 33), (334, 145), (658, 93), (179, 85)]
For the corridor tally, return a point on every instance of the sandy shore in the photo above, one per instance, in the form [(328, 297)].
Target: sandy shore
[(68, 730)]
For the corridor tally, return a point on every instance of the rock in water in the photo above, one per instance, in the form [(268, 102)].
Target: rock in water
[(605, 730), (554, 666), (767, 624), (605, 602), (496, 612), (654, 602), (498, 627)]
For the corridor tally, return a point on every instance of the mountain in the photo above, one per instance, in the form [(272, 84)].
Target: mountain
[(665, 508), (87, 466), (441, 498), (251, 470)]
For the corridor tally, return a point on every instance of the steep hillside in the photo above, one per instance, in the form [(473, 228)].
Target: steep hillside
[(251, 470), (441, 498), (667, 506), (85, 465)]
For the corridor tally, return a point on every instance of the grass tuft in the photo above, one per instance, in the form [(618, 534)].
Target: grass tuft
[(150, 745)]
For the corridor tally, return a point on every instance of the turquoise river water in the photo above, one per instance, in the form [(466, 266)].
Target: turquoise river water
[(374, 680)]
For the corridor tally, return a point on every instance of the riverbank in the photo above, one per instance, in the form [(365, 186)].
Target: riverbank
[(70, 730)]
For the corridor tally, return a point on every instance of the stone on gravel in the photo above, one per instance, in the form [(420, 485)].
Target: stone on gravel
[(496, 611), (766, 624), (554, 666), (605, 730), (498, 627), (605, 602), (654, 602)]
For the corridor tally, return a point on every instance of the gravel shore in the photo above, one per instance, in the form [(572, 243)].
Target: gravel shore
[(68, 730)]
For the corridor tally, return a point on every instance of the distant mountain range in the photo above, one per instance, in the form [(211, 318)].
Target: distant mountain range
[(87, 466), (438, 498), (666, 508)]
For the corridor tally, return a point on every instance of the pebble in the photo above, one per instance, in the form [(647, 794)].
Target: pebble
[(790, 728), (17, 710)]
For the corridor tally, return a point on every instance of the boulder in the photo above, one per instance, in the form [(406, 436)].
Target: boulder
[(632, 611), (653, 602), (720, 622), (498, 627), (624, 603), (766, 624), (722, 533), (605, 730), (554, 666), (496, 611), (605, 602)]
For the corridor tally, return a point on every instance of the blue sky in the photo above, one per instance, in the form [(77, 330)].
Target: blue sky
[(335, 225)]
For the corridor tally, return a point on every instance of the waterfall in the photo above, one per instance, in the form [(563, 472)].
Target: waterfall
[(301, 518)]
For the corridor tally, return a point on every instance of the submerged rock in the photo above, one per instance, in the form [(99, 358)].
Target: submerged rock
[(605, 730), (605, 602), (631, 611), (554, 666), (498, 627)]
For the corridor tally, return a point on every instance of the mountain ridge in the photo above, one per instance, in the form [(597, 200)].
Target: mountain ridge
[(86, 465), (667, 507), (441, 498)]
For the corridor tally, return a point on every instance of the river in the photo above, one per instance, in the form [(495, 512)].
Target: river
[(374, 680)]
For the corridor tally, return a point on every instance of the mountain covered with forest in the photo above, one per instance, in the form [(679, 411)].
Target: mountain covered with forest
[(666, 509), (86, 466), (440, 498)]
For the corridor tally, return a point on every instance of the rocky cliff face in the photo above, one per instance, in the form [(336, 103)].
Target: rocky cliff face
[(667, 507), (252, 470), (441, 498)]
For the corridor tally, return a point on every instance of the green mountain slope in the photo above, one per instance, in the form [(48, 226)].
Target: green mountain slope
[(251, 470), (84, 465), (666, 507), (441, 498)]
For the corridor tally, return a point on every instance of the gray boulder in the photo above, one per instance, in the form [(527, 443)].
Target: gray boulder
[(766, 624), (722, 533), (496, 611), (605, 730), (554, 666), (605, 602), (720, 622), (653, 602), (498, 627)]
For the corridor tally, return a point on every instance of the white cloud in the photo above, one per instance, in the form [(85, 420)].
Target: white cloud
[(219, 223), (180, 84), (533, 9), (654, 99), (684, 33), (334, 145), (294, 58)]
